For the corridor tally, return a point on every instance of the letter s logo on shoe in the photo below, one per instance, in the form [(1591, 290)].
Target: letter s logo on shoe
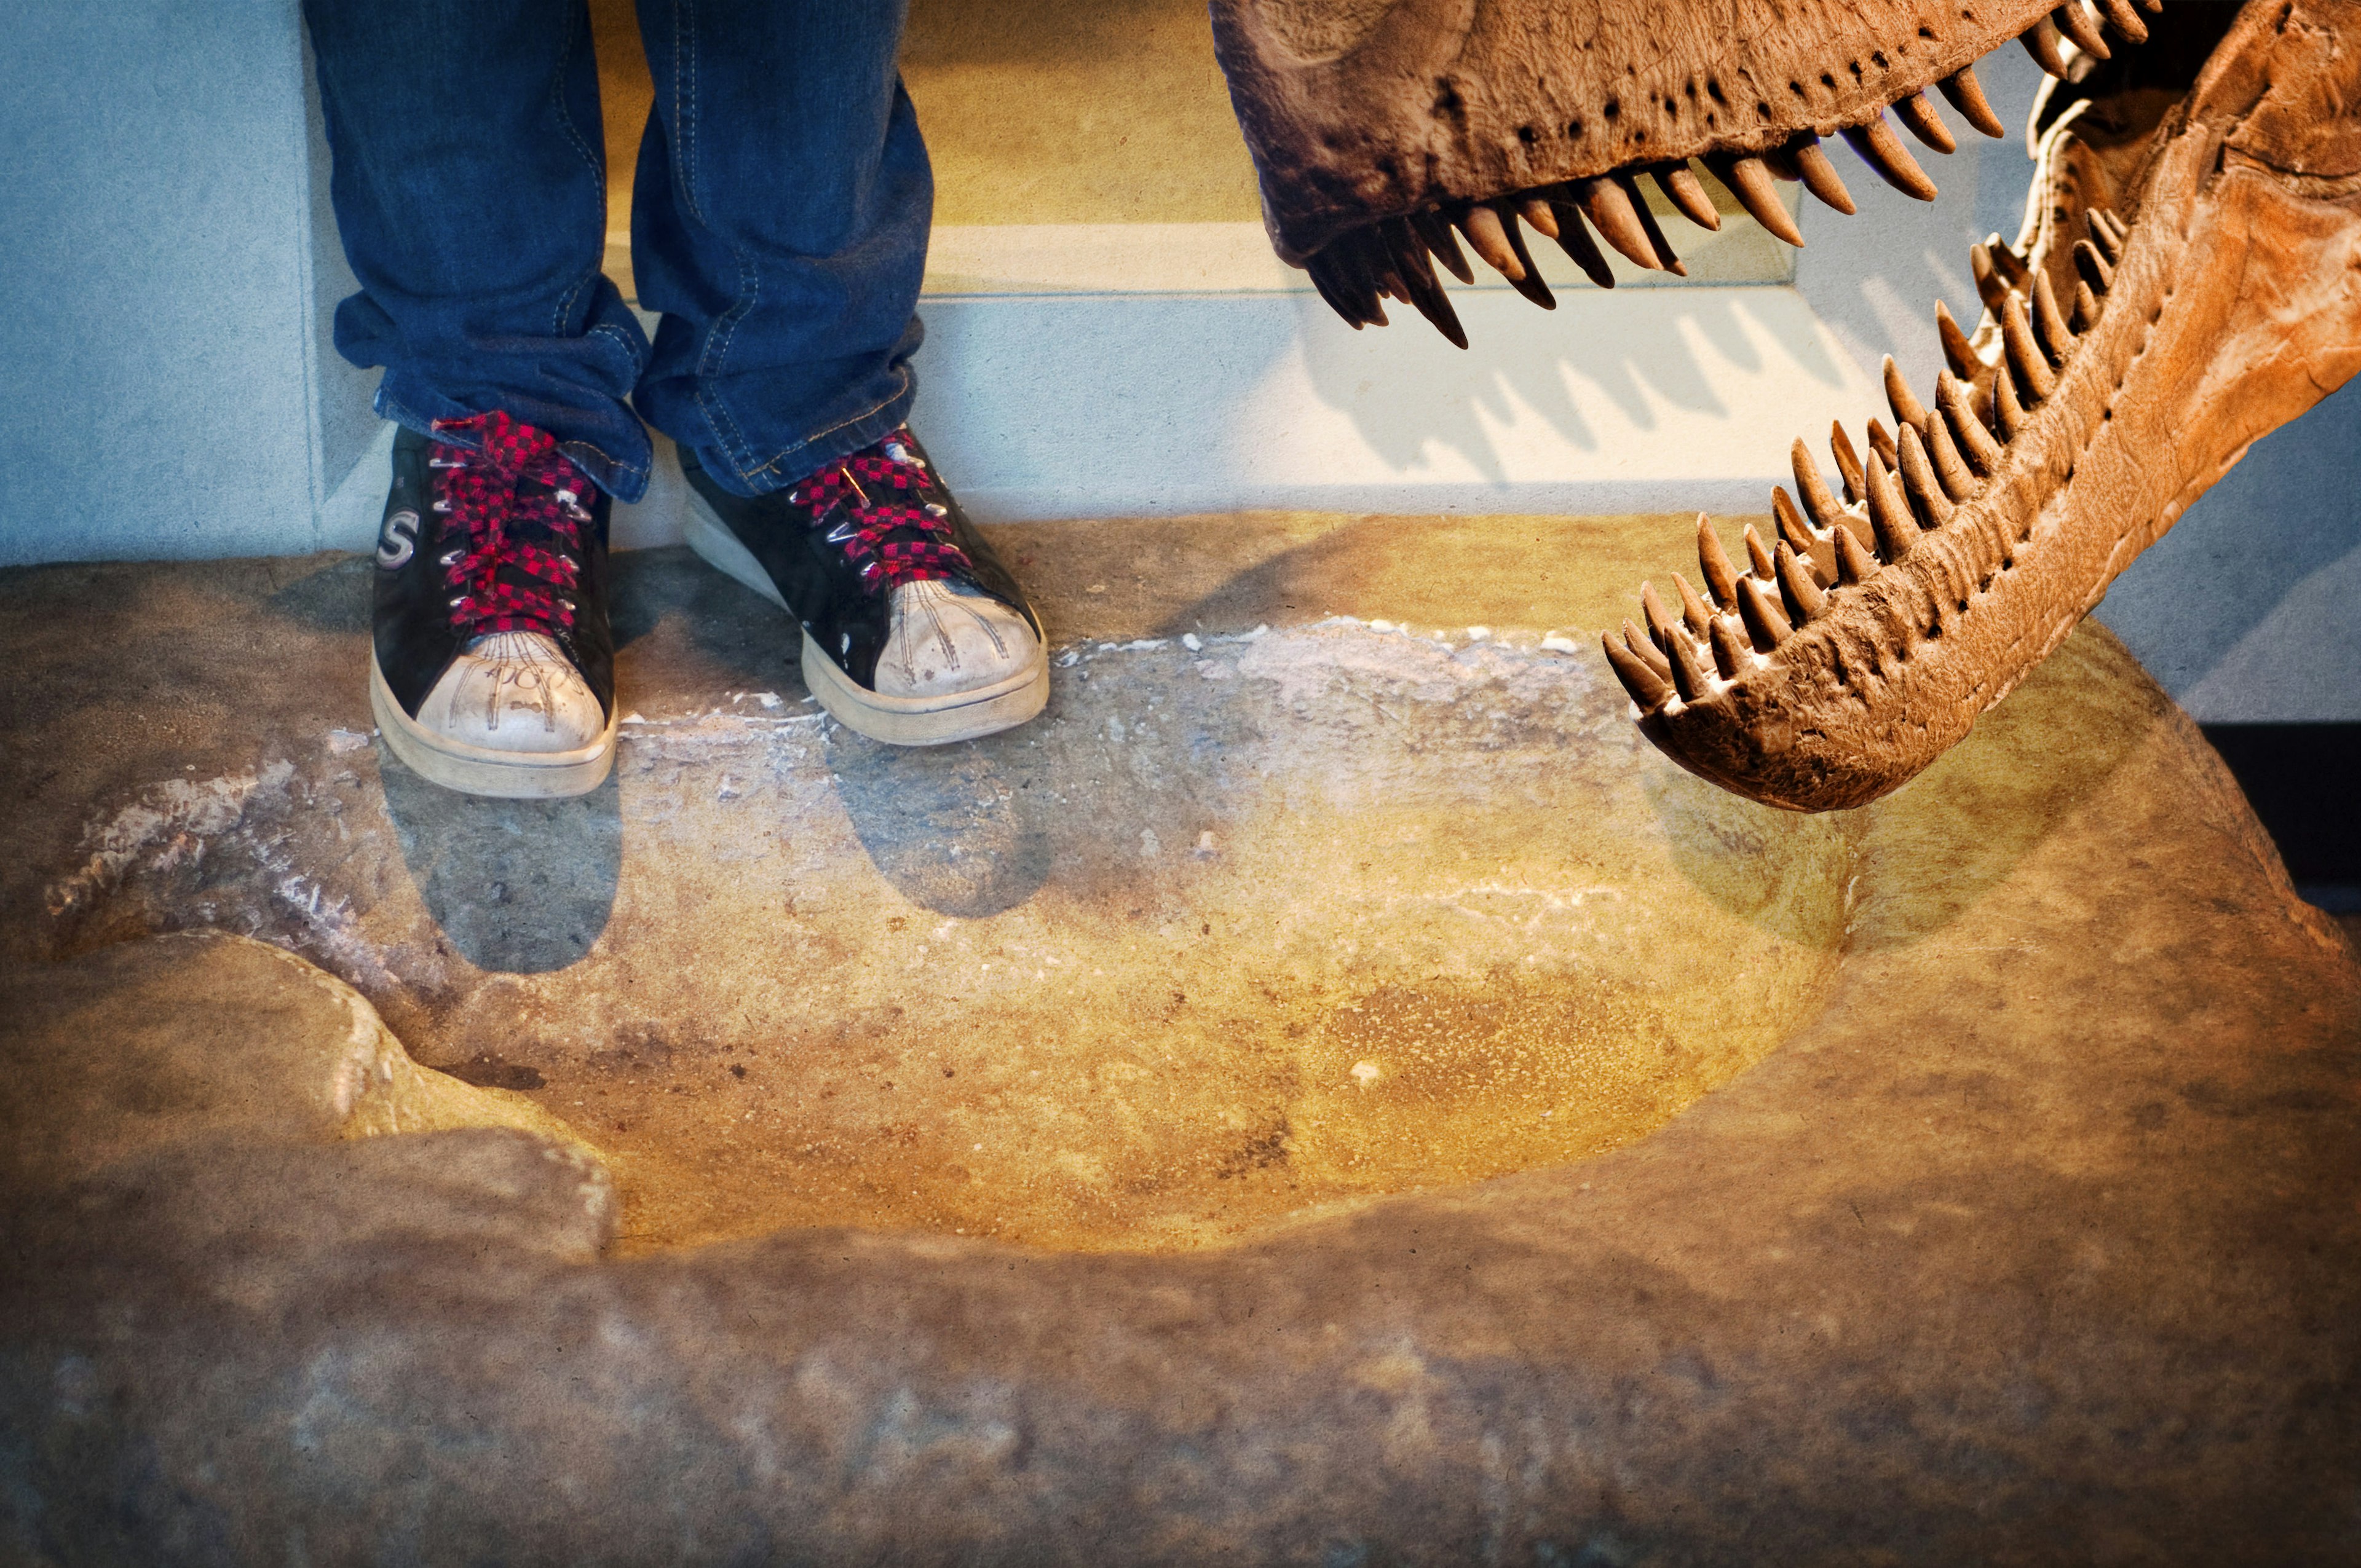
[(397, 541)]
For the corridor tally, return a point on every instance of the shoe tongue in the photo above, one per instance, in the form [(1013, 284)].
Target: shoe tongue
[(514, 647)]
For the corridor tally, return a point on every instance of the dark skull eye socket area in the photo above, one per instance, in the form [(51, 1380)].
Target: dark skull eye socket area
[(2131, 92)]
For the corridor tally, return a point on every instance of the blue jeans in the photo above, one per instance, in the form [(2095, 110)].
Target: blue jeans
[(779, 224)]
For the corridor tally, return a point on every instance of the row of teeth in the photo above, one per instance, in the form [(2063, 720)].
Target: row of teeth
[(1394, 258), (1910, 483)]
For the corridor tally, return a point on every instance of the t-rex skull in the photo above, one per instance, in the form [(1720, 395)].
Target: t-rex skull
[(2188, 278)]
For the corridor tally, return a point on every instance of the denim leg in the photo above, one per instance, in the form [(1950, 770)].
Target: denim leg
[(781, 214), (471, 195)]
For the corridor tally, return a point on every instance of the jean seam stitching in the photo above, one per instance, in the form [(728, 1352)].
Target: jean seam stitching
[(623, 339), (901, 375), (604, 457), (590, 160), (684, 99)]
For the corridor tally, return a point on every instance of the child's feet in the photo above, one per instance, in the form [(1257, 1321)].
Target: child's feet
[(914, 633), (493, 670)]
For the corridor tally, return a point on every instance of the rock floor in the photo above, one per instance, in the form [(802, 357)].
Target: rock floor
[(1325, 1088)]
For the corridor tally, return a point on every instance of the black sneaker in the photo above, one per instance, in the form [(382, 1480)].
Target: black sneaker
[(914, 633), (493, 670)]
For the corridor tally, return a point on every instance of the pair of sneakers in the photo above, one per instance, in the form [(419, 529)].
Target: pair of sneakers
[(492, 669)]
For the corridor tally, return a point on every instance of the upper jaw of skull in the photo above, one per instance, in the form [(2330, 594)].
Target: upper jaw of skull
[(1357, 110)]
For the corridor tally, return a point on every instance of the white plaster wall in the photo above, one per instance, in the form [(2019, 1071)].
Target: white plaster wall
[(166, 384)]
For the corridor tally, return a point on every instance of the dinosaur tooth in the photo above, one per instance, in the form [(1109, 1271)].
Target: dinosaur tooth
[(1373, 278), (1638, 680), (1959, 349), (1340, 284), (1645, 649), (2013, 267), (1441, 242), (2030, 370), (1848, 463), (1907, 409), (1949, 466), (2008, 403), (1854, 562), (1881, 441), (1758, 556), (1966, 94), (1792, 529), (1750, 181), (2049, 321), (2040, 42), (2103, 239), (1818, 500), (1688, 666), (1426, 292), (2125, 19), (1687, 193), (2082, 27), (2085, 313), (2106, 217), (1889, 514), (1766, 624), (1527, 279), (1610, 209), (1818, 175), (1918, 480), (1919, 117), (1659, 618), (1883, 150), (1537, 214), (1695, 613), (1489, 241), (1713, 564), (1665, 256), (1730, 656), (2096, 270), (1797, 586), (1983, 452), (2085, 308), (1574, 238), (1990, 287)]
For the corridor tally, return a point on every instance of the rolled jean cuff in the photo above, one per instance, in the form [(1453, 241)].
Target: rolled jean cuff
[(801, 461), (625, 477)]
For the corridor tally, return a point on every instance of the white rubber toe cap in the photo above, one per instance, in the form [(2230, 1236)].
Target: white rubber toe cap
[(947, 639), (513, 691)]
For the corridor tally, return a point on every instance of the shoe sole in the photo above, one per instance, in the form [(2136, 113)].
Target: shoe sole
[(895, 721), (479, 770)]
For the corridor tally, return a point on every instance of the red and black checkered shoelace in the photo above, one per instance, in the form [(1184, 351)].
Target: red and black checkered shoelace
[(886, 526), (514, 532)]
